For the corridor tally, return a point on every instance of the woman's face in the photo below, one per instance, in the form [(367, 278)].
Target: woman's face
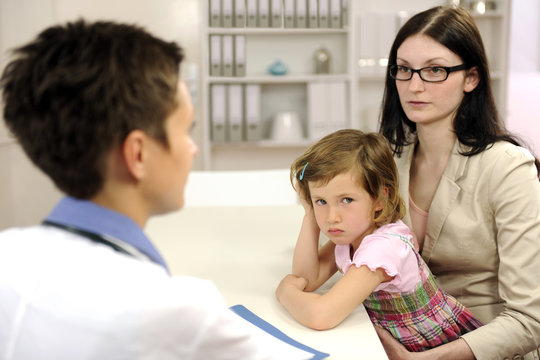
[(426, 102)]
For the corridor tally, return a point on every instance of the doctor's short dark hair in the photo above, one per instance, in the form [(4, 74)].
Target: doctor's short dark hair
[(77, 90), (367, 155)]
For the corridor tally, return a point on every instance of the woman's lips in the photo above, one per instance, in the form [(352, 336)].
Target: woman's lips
[(417, 104)]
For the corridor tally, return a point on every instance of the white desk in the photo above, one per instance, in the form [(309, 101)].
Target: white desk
[(246, 251)]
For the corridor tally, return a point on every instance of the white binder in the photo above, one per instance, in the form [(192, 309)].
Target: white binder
[(235, 112), (227, 13), (276, 13), (215, 13), (335, 14), (324, 14), (253, 112), (218, 113), (251, 10), (264, 13), (313, 13), (228, 55), (387, 30), (317, 110), (239, 13), (337, 105), (215, 55), (288, 13), (367, 48), (301, 13), (239, 55), (345, 12)]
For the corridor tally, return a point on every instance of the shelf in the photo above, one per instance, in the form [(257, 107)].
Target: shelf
[(283, 79), (275, 31), (264, 144)]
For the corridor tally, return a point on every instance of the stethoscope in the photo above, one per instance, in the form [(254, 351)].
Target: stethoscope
[(101, 239)]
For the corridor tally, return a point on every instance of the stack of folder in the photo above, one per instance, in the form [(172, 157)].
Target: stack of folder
[(235, 113), (278, 13), (227, 55)]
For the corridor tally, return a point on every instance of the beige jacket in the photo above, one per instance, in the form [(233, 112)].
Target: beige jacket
[(483, 244)]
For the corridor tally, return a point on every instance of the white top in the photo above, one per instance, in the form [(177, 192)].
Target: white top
[(63, 296)]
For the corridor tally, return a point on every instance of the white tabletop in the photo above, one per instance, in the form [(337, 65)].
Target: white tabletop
[(246, 251)]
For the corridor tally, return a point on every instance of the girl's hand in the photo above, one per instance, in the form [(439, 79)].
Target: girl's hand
[(306, 205), (290, 282)]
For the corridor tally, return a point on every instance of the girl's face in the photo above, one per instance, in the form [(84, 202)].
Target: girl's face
[(343, 209), (425, 102)]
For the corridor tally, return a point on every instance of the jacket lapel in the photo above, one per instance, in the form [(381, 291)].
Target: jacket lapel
[(443, 201)]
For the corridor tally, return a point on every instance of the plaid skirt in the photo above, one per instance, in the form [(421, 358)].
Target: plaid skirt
[(424, 318)]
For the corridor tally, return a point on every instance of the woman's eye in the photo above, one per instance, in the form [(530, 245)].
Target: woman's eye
[(436, 70), (403, 69)]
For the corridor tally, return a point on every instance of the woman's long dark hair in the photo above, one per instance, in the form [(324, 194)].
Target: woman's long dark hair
[(477, 123)]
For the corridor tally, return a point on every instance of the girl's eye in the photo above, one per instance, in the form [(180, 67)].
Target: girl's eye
[(320, 202), (347, 200)]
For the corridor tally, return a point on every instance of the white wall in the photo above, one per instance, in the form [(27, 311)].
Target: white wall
[(26, 195), (523, 115)]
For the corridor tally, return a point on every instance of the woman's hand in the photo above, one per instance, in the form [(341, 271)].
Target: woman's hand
[(394, 349), (290, 282)]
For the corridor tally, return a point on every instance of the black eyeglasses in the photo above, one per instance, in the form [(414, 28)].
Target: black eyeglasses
[(428, 73)]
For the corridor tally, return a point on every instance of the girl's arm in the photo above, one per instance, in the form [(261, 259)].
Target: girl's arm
[(323, 312), (313, 264)]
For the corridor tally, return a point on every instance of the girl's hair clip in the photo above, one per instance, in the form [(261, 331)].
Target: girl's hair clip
[(303, 170)]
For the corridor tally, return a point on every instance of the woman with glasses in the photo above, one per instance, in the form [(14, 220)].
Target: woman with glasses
[(472, 192)]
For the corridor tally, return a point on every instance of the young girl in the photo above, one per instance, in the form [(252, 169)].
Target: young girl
[(348, 185)]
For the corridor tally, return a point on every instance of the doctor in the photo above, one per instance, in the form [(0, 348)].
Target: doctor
[(99, 107)]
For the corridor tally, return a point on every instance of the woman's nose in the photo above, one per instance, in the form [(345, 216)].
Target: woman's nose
[(416, 83)]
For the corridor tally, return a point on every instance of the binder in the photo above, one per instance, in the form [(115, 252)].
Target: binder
[(367, 48), (239, 55), (344, 13), (335, 14), (228, 55), (301, 13), (235, 112), (288, 13), (387, 30), (215, 13), (313, 13), (215, 55), (317, 110), (239, 13), (227, 13), (217, 113), (251, 10), (337, 105), (253, 112), (264, 13), (276, 13), (324, 14)]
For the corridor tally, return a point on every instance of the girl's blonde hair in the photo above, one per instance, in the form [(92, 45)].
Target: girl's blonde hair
[(367, 155)]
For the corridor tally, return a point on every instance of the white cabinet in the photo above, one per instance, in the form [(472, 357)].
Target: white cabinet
[(298, 92), (301, 92)]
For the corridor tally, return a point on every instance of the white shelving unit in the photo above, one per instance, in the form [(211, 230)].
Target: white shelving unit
[(295, 47)]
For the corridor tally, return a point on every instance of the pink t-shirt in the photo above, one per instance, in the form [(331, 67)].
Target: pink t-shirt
[(384, 249)]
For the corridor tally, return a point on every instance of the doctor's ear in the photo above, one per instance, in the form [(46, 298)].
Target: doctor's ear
[(134, 153)]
